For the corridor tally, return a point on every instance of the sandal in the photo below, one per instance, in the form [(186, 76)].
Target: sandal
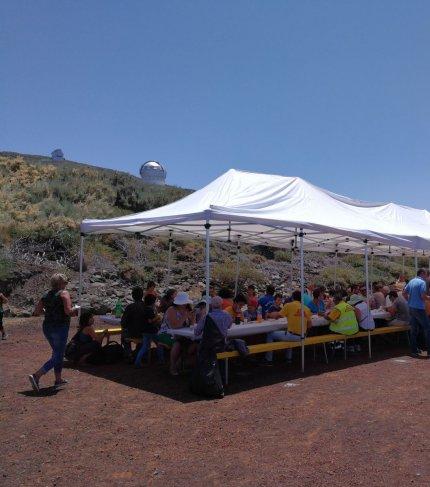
[(60, 383), (34, 383)]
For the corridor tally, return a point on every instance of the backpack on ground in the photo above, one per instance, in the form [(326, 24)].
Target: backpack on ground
[(112, 353)]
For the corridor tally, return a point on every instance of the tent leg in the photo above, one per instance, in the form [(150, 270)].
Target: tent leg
[(81, 266), (302, 307), (236, 283), (369, 338), (207, 263), (169, 259), (226, 371), (325, 353)]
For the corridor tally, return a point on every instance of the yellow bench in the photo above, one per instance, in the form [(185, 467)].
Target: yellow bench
[(314, 340)]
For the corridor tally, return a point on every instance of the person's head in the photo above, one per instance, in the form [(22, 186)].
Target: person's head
[(225, 293), (137, 293), (316, 294), (251, 290), (240, 300), (363, 291), (212, 291), (385, 290), (338, 297), (182, 300), (393, 295), (216, 302), (296, 296), (170, 294), (421, 272), (59, 281), (201, 305), (278, 299), (86, 318), (149, 300), (378, 288), (150, 286), (270, 290)]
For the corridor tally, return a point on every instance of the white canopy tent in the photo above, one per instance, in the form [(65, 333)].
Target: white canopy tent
[(278, 211)]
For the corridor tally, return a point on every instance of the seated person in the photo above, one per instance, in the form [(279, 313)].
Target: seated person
[(88, 343), (317, 305), (293, 312), (342, 317), (166, 300), (150, 289), (222, 319), (149, 327), (200, 310), (266, 300), (252, 304), (227, 297), (378, 298), (235, 311), (362, 311), (179, 315), (132, 318), (275, 308), (399, 309)]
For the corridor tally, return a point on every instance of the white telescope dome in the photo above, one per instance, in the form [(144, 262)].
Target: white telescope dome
[(152, 172)]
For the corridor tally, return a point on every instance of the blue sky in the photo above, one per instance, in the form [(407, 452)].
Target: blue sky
[(336, 92)]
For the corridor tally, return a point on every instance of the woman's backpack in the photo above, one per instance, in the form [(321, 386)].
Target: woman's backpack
[(72, 351), (112, 353)]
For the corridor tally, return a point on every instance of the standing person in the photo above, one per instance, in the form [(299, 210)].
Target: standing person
[(267, 300), (56, 304), (415, 293), (3, 300)]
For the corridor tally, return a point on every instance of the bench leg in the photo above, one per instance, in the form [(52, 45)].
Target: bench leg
[(325, 353), (226, 371), (344, 349), (314, 347), (303, 356), (369, 338)]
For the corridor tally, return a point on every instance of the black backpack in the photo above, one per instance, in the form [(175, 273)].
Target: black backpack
[(72, 351), (112, 353), (206, 378)]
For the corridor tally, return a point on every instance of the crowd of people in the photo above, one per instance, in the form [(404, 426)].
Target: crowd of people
[(152, 318)]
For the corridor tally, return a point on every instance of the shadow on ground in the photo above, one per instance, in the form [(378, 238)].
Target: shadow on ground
[(244, 374)]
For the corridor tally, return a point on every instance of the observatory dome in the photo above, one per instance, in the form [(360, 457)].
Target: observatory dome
[(153, 172)]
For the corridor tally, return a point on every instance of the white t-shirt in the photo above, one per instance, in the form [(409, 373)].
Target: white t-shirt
[(366, 322)]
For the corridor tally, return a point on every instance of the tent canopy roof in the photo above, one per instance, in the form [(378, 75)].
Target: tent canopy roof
[(271, 210)]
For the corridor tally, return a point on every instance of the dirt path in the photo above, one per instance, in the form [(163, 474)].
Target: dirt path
[(349, 423)]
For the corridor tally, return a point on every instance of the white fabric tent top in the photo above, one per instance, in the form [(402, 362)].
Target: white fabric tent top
[(263, 209)]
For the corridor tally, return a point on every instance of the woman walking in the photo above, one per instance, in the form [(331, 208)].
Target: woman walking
[(57, 307)]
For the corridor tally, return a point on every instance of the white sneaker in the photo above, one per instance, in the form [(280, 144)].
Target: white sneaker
[(34, 383)]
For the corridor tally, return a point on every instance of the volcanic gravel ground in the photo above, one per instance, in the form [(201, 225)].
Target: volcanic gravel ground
[(350, 423)]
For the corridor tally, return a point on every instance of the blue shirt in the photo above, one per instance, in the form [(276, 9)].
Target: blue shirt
[(415, 288), (265, 302), (316, 308), (307, 298)]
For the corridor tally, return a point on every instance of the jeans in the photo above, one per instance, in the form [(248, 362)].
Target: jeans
[(419, 320), (281, 336), (57, 338), (147, 338)]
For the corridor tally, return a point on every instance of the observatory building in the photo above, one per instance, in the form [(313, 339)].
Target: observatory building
[(152, 172), (57, 155)]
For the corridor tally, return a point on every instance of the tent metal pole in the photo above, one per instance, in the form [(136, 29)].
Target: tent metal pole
[(335, 267), (169, 258), (236, 282), (81, 266), (302, 290), (372, 277), (366, 267), (207, 263)]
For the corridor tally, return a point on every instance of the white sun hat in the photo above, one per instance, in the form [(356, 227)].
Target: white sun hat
[(182, 298)]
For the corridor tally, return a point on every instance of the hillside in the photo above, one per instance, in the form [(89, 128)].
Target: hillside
[(42, 204)]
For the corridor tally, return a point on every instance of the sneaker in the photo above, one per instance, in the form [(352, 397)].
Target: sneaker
[(3, 337), (34, 383), (266, 363), (60, 383)]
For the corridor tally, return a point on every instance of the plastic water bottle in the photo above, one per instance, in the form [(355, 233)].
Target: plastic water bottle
[(119, 309), (259, 314)]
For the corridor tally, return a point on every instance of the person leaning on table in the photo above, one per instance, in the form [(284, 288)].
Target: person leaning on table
[(343, 317), (399, 310), (293, 312)]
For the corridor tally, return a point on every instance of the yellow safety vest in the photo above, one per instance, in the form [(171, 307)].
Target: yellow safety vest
[(346, 324)]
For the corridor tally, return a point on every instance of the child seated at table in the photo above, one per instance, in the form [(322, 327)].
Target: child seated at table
[(235, 311), (274, 309)]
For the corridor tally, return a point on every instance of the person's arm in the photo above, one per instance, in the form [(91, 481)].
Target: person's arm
[(67, 303), (39, 309), (333, 315), (3, 298), (405, 292), (357, 314), (97, 337), (125, 317)]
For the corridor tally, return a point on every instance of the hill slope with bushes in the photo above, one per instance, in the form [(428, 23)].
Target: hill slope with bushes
[(42, 203)]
